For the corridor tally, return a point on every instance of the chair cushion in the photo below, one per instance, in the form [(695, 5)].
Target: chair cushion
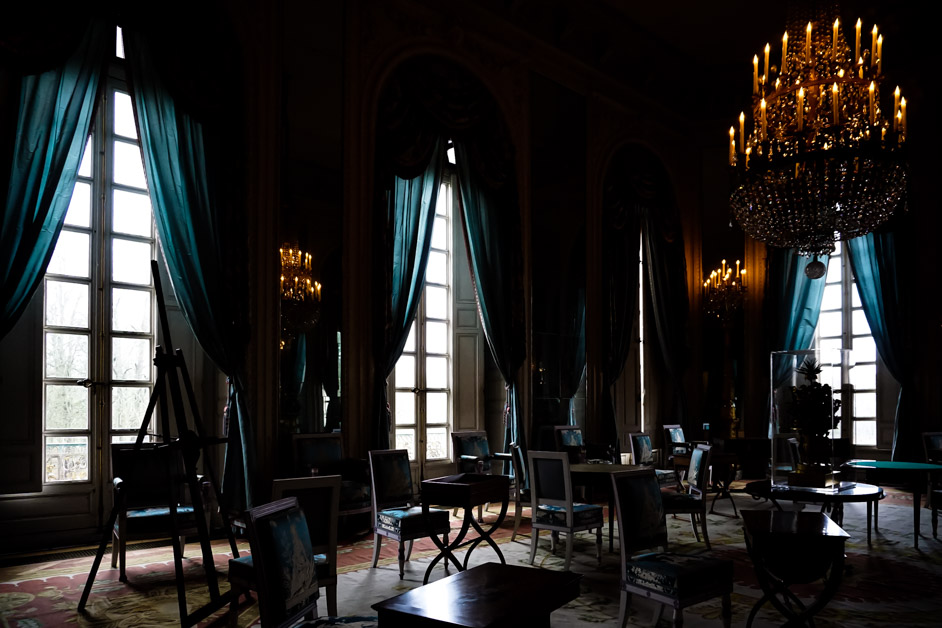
[(582, 514), (354, 494), (409, 521), (680, 576), (143, 520)]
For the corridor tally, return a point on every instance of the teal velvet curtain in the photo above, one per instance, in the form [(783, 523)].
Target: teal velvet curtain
[(55, 109), (572, 307), (491, 218), (794, 303), (621, 232), (665, 263), (873, 258), (409, 217), (202, 233)]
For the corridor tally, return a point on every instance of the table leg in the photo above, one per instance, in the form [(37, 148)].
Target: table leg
[(869, 511), (917, 505), (485, 535), (876, 515), (611, 523), (446, 552)]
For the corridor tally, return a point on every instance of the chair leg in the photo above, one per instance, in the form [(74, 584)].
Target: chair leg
[(534, 539), (678, 618), (402, 559), (569, 540), (554, 540), (706, 536), (114, 549), (234, 607), (727, 611), (935, 521), (480, 513), (183, 546), (377, 544), (693, 524), (409, 550), (332, 600), (623, 609), (518, 513), (122, 547), (598, 545)]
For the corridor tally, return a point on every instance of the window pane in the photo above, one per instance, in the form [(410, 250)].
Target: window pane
[(829, 324), (85, 168), (71, 255), (827, 344), (67, 355), (405, 408), (405, 371), (405, 439), (128, 406), (864, 376), (66, 458), (436, 443), (854, 296), (130, 310), (66, 304), (119, 44), (441, 206), (865, 405), (436, 407), (834, 271), (865, 349), (130, 359), (832, 297), (436, 337), (79, 211), (410, 340), (131, 262), (451, 155), (831, 375), (865, 433), (128, 167), (859, 323), (436, 302), (66, 407), (436, 372), (437, 268), (131, 213), (439, 234), (124, 116)]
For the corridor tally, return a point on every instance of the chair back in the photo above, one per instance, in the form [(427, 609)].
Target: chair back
[(471, 443), (550, 482), (316, 451), (642, 452), (642, 524), (284, 561), (391, 478), (518, 465), (149, 475), (675, 434), (932, 443), (319, 498), (697, 473), (569, 438)]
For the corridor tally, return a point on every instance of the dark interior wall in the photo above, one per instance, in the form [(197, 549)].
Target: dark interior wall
[(558, 209)]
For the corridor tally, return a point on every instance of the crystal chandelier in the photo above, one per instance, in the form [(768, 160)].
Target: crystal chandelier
[(821, 159), (300, 294), (723, 293)]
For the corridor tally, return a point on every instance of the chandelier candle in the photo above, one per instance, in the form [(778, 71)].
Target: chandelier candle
[(820, 159)]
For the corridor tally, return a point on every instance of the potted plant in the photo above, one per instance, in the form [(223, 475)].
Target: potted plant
[(810, 413)]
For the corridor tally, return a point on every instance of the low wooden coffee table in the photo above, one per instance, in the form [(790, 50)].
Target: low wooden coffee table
[(487, 596)]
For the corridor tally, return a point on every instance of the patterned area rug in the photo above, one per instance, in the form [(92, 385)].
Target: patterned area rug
[(890, 584)]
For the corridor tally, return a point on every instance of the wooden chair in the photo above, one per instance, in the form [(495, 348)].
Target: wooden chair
[(552, 506), (932, 444), (693, 501), (675, 443), (281, 568), (473, 455), (570, 439), (671, 579), (644, 454), (319, 498), (145, 483), (395, 513), (521, 493), (322, 454)]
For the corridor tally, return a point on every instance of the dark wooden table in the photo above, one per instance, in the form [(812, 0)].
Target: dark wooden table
[(912, 474), (465, 490), (491, 595), (789, 548), (828, 498), (599, 476)]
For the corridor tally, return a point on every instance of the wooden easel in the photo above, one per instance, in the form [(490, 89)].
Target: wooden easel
[(171, 369)]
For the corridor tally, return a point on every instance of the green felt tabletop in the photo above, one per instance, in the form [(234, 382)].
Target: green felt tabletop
[(893, 464)]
